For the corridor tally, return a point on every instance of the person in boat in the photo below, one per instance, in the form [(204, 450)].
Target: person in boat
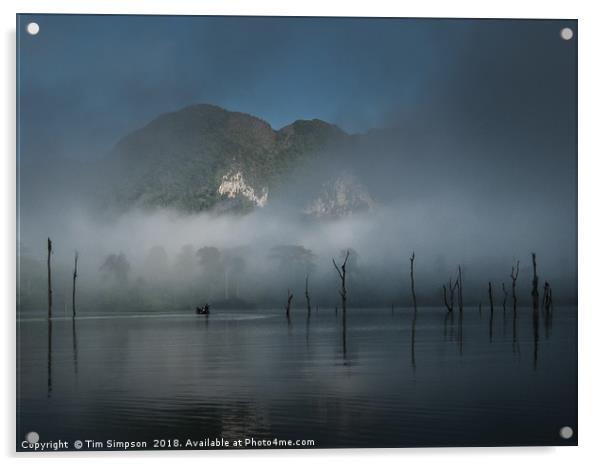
[(203, 310)]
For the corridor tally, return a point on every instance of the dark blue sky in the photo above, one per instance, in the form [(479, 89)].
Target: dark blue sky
[(85, 81)]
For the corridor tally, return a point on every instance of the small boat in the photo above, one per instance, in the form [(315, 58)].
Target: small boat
[(203, 310)]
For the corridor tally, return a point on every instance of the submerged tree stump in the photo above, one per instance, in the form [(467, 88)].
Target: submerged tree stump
[(307, 295), (74, 280), (514, 276), (451, 289), (547, 297), (342, 271), (288, 303), (535, 284), (412, 257), (460, 289), (49, 279)]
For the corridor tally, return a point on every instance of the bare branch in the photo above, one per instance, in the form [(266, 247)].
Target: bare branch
[(337, 268), (346, 257)]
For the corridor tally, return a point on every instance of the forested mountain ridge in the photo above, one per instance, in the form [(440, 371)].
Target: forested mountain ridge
[(203, 157)]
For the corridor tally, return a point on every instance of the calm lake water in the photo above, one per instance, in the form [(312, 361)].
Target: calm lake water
[(391, 379)]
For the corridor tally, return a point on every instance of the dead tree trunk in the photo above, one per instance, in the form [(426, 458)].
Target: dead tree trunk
[(546, 304), (307, 295), (535, 284), (343, 275), (460, 292), (288, 304), (74, 280), (547, 297), (449, 304), (49, 280), (490, 298), (505, 296), (445, 301), (514, 276), (412, 278)]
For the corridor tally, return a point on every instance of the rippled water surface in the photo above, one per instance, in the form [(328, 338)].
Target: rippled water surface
[(379, 378)]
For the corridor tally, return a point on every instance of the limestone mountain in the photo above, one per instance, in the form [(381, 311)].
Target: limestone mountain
[(205, 157)]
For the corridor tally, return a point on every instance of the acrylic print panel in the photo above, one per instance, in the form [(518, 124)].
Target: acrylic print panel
[(261, 232)]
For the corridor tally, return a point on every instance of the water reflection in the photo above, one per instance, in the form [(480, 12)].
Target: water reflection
[(414, 339), (202, 321), (307, 322), (515, 345), (454, 333), (49, 364), (344, 334), (460, 331), (322, 378), (74, 340), (491, 324), (445, 325), (547, 321), (448, 326), (535, 337)]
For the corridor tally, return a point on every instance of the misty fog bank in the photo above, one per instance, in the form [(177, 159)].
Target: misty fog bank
[(167, 260)]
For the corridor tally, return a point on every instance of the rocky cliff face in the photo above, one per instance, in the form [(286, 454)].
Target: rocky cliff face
[(343, 196), (233, 186)]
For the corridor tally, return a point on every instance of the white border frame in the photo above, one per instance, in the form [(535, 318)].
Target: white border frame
[(590, 151)]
